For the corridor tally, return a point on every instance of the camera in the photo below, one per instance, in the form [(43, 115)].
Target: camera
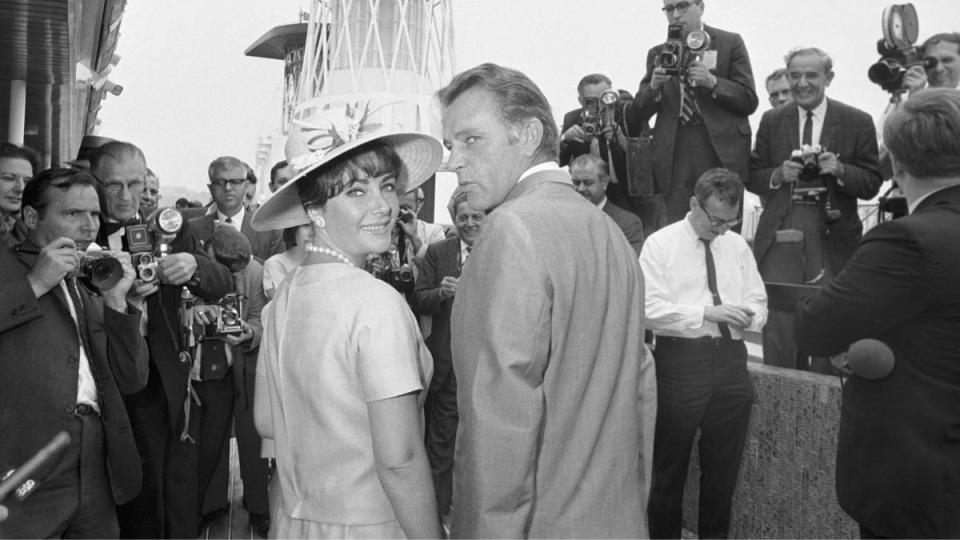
[(676, 53), (405, 216), (150, 241), (99, 270), (900, 27), (809, 181), (230, 314), (599, 112)]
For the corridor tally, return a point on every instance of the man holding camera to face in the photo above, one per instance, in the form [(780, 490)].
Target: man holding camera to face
[(169, 259), (69, 350), (700, 86), (813, 159)]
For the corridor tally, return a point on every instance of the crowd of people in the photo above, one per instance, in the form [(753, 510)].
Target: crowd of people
[(543, 367)]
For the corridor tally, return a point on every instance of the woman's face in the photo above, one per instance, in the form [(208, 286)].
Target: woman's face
[(360, 219)]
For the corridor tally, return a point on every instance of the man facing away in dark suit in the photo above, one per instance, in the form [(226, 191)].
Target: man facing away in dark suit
[(809, 229), (702, 117), (433, 296), (898, 453), (590, 177), (67, 355)]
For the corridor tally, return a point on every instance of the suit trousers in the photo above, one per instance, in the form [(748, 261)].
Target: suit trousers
[(75, 500), (693, 155), (254, 470), (442, 418), (701, 384)]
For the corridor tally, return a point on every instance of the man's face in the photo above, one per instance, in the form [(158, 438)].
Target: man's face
[(74, 213), (281, 177), (808, 80), (228, 187), (150, 196), (713, 217), (779, 90), (686, 12), (589, 182), (946, 74), (14, 174), (468, 222), (123, 183), (594, 91), (485, 151)]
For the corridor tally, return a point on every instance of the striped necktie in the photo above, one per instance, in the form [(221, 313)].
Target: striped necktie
[(689, 110)]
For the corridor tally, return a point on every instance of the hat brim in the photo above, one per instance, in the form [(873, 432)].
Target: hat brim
[(421, 155)]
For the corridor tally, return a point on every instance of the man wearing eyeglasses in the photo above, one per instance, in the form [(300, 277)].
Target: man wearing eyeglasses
[(810, 225), (703, 293), (702, 114)]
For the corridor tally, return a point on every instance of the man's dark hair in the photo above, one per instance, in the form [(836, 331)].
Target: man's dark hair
[(722, 183), (776, 75), (923, 135), (35, 194), (251, 176), (517, 97), (273, 170), (949, 37), (12, 151), (593, 78), (116, 151)]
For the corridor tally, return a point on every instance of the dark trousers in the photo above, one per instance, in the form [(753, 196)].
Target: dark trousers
[(701, 384), (254, 470), (191, 463), (693, 155), (143, 517), (442, 418), (75, 500)]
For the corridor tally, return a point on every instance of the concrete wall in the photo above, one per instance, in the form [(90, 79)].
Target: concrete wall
[(786, 487)]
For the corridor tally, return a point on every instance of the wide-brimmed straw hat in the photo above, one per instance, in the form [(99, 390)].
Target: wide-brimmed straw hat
[(328, 134)]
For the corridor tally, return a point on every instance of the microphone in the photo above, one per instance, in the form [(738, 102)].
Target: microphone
[(41, 458), (870, 358)]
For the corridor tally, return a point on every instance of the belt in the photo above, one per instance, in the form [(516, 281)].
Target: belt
[(84, 409), (701, 339)]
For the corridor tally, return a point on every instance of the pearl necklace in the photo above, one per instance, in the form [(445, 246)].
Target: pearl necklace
[(330, 252)]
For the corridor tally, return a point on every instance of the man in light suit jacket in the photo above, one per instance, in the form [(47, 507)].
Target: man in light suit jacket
[(590, 178), (827, 221), (66, 359), (721, 94), (433, 296), (898, 470), (555, 392)]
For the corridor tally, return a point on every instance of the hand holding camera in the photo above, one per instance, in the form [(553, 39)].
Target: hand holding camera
[(830, 164), (407, 221), (56, 260), (114, 296), (575, 134), (176, 268), (699, 75), (448, 286)]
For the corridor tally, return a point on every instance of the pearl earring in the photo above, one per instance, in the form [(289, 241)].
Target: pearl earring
[(319, 222)]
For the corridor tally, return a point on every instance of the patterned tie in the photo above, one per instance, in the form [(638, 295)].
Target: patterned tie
[(81, 312), (689, 110), (808, 130), (712, 284)]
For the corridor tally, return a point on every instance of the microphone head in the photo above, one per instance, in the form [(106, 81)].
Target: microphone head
[(870, 358)]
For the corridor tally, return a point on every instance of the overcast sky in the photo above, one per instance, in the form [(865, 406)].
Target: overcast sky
[(190, 95)]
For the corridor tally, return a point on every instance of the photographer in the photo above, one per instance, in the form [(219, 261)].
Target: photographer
[(943, 52), (67, 355), (810, 225), (702, 110), (157, 412)]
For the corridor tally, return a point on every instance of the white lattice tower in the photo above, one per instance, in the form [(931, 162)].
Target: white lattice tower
[(381, 51)]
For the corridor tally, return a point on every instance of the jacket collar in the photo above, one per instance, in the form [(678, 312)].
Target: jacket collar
[(535, 180)]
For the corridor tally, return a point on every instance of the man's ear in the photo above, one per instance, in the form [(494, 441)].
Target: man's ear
[(531, 133), (30, 217)]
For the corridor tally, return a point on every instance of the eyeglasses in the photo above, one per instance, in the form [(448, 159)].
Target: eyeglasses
[(222, 182), (680, 7), (10, 177), (717, 222), (114, 188)]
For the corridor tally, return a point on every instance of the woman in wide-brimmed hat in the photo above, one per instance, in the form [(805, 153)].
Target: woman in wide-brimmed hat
[(343, 369)]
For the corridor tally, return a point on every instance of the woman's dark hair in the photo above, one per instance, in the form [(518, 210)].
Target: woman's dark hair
[(9, 150), (290, 236), (328, 181)]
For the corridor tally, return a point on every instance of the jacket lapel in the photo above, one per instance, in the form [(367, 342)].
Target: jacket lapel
[(792, 125), (831, 124)]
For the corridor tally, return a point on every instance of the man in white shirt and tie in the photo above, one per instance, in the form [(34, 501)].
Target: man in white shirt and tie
[(703, 292)]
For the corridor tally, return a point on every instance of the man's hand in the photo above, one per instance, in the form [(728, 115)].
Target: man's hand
[(177, 268), (448, 286), (790, 171), (115, 297), (139, 291), (659, 78), (739, 316), (914, 79), (237, 339), (409, 228), (830, 164), (56, 260), (699, 75), (575, 134), (205, 314)]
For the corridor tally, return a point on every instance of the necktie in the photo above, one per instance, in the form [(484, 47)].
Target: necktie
[(808, 130), (689, 111), (228, 220), (712, 284), (81, 312)]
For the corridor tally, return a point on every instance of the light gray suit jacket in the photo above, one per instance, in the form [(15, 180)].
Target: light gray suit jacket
[(556, 394)]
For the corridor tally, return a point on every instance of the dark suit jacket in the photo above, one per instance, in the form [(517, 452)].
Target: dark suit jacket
[(725, 109), (39, 365), (898, 455), (630, 224), (441, 259), (265, 244), (848, 132)]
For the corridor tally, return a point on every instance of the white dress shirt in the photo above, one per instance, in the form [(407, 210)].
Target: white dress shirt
[(86, 386), (236, 220), (674, 266), (819, 113)]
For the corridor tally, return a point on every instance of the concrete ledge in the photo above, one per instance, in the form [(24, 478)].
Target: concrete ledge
[(787, 478)]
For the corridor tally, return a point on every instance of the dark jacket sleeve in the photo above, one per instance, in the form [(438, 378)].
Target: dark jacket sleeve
[(762, 166), (736, 92), (18, 305), (215, 279), (126, 349), (862, 172), (427, 298)]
